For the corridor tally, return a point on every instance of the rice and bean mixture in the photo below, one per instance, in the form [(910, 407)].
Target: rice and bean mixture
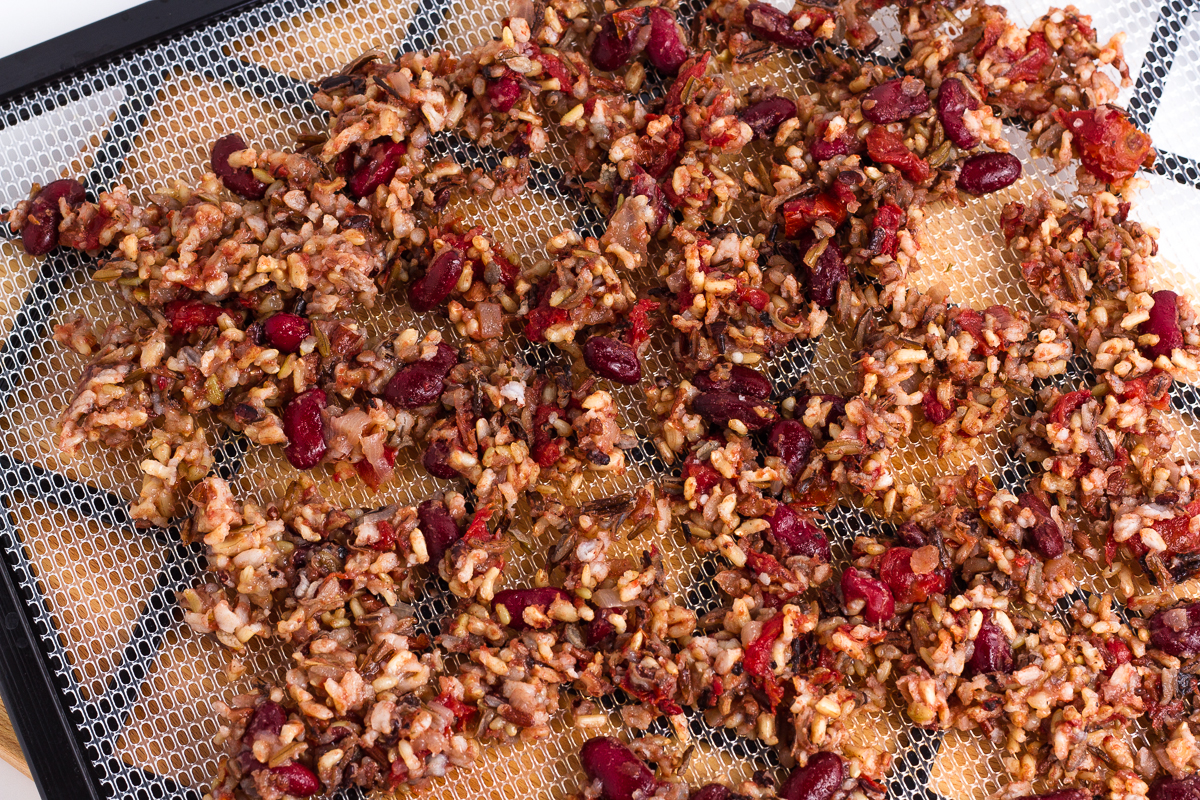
[(965, 606)]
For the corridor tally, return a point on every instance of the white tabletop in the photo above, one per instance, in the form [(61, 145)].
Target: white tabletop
[(14, 785), (28, 23)]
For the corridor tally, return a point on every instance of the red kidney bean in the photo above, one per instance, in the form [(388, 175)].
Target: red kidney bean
[(954, 101), (304, 426), (719, 408), (1163, 323), (612, 359), (599, 629), (414, 385), (819, 779), (993, 651), (828, 274), (1076, 794), (823, 151), (240, 181), (911, 535), (895, 100), (268, 718), (1167, 788), (40, 234), (248, 762), (772, 25), (740, 380), (444, 359), (622, 775), (286, 332), (765, 116), (432, 288), (859, 584), (438, 528), (503, 93), (666, 49), (1176, 631), (383, 159), (1047, 536), (712, 791), (515, 601), (611, 50), (799, 535), (186, 316), (437, 461), (988, 172), (300, 780), (906, 586), (844, 145), (791, 441)]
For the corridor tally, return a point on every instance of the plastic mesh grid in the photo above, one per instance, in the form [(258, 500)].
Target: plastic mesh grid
[(139, 685)]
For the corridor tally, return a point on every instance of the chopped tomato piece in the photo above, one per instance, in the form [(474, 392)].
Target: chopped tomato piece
[(640, 323), (387, 536), (1110, 146), (706, 477), (1153, 388), (755, 298), (886, 147), (1068, 404), (757, 661), (547, 444), (895, 570), (554, 68), (800, 213), (367, 472), (478, 528), (657, 157), (186, 316), (458, 708), (542, 316), (1116, 653), (884, 229), (971, 321), (508, 270), (1177, 531), (991, 34), (818, 492), (1036, 58), (690, 72)]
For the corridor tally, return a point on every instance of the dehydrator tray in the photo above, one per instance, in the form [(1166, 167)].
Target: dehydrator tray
[(111, 693)]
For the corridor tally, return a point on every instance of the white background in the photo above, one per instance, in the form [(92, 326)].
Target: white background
[(27, 24), (14, 785), (31, 21)]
